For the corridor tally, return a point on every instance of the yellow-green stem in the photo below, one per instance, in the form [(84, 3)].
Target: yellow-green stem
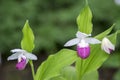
[(80, 77), (32, 68)]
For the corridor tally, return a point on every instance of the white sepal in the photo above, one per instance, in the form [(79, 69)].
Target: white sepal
[(17, 51), (13, 56), (117, 2), (107, 46), (82, 35), (83, 44), (92, 40), (30, 56), (72, 42)]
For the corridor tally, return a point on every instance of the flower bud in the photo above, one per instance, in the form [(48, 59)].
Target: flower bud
[(107, 46)]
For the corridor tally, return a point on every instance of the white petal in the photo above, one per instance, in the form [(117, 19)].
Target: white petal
[(30, 56), (92, 41), (105, 48), (72, 42), (107, 45), (21, 56), (17, 51), (117, 2), (27, 61), (112, 47), (13, 56), (83, 44), (82, 35)]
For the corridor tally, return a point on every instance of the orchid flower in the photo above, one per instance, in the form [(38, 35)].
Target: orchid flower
[(117, 2), (22, 56), (107, 46), (82, 41)]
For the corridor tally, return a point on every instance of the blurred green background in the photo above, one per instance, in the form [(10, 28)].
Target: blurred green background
[(53, 23)]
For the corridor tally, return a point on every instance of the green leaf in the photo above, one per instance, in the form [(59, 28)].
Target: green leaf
[(27, 42), (117, 75), (105, 33), (113, 61), (113, 36), (52, 66), (95, 60), (91, 76), (84, 20), (58, 78), (69, 73)]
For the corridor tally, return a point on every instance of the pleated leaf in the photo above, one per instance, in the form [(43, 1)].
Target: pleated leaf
[(105, 33), (58, 78), (69, 73), (117, 75), (91, 76), (52, 66), (27, 42), (84, 20)]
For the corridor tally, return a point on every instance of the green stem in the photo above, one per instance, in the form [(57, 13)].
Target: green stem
[(80, 77), (79, 66), (32, 68)]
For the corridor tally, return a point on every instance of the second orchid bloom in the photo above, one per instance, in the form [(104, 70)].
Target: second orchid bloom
[(23, 57), (107, 46), (82, 41)]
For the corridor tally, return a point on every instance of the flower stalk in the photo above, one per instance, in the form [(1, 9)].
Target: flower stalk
[(32, 69)]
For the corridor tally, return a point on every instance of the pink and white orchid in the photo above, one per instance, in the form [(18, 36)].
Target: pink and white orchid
[(107, 46), (82, 41), (22, 56)]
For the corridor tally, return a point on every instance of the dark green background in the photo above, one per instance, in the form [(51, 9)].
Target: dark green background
[(53, 23)]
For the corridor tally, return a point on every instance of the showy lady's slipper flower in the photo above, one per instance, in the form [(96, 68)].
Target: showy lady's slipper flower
[(107, 46), (82, 40), (117, 2), (22, 56)]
